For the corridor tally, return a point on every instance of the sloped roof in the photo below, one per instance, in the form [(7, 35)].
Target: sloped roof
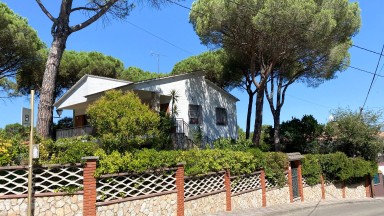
[(81, 80)]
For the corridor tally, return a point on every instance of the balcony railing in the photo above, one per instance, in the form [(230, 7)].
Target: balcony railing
[(73, 132)]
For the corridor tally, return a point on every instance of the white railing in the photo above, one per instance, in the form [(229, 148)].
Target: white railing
[(73, 132)]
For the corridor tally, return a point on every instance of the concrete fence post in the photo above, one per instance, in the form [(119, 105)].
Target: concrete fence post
[(180, 189), (227, 183), (263, 189), (290, 184), (89, 182)]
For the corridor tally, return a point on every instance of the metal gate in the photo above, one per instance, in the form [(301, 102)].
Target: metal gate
[(295, 183)]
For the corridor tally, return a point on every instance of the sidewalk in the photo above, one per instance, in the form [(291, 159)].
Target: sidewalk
[(292, 207)]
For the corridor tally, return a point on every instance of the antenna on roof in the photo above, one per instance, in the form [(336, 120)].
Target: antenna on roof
[(153, 53)]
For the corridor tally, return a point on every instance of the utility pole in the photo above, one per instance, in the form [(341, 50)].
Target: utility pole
[(30, 170)]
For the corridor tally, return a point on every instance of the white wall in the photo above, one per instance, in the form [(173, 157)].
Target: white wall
[(197, 91)]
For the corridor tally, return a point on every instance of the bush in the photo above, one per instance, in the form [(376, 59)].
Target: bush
[(276, 163), (311, 169), (122, 122), (12, 150), (232, 144), (336, 167), (197, 161), (69, 150)]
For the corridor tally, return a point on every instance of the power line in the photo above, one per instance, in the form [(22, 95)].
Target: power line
[(373, 79), (188, 8), (160, 38), (365, 71)]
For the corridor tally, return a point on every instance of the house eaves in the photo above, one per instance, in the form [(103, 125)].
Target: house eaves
[(80, 82)]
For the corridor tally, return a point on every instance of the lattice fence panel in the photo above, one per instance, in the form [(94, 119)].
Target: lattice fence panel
[(199, 185), (57, 179), (304, 182), (13, 181), (245, 182), (110, 187), (270, 184)]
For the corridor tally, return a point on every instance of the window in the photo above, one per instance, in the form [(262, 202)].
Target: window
[(194, 114), (221, 116)]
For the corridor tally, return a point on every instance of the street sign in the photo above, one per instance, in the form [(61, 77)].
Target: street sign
[(26, 117)]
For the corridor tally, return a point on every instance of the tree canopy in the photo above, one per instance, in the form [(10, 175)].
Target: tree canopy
[(135, 74), (216, 65), (356, 134), (274, 36), (19, 44), (73, 66), (61, 29)]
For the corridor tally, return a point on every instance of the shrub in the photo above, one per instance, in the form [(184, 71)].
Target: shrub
[(311, 169), (197, 161), (122, 122), (69, 150), (276, 163), (232, 144), (12, 150)]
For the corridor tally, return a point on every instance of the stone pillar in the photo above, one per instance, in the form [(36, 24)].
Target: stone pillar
[(290, 184), (263, 189), (155, 101), (300, 179), (89, 182), (322, 187), (227, 183), (180, 189)]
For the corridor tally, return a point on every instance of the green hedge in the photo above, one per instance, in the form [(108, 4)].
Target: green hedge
[(336, 167), (197, 161)]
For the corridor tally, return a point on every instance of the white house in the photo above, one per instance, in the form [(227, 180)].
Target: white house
[(201, 104)]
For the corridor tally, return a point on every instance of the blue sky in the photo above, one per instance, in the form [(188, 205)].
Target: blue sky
[(168, 33)]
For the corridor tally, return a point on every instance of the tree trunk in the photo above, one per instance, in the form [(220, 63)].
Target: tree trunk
[(48, 87), (249, 113), (276, 130), (258, 118)]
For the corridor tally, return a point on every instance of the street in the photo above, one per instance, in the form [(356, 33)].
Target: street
[(357, 207)]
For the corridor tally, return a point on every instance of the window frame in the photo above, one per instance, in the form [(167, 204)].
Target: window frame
[(194, 119), (221, 116)]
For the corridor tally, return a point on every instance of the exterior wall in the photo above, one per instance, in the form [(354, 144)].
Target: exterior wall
[(159, 205), (312, 193), (355, 191), (197, 91), (205, 205), (247, 200), (277, 196), (333, 191), (53, 205)]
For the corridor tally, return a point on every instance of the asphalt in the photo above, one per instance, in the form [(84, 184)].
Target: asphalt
[(321, 207)]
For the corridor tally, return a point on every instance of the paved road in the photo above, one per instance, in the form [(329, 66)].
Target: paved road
[(358, 207), (372, 208)]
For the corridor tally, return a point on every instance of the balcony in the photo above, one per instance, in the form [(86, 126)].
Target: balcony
[(73, 132)]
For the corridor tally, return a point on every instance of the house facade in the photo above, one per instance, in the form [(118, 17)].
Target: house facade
[(202, 107)]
